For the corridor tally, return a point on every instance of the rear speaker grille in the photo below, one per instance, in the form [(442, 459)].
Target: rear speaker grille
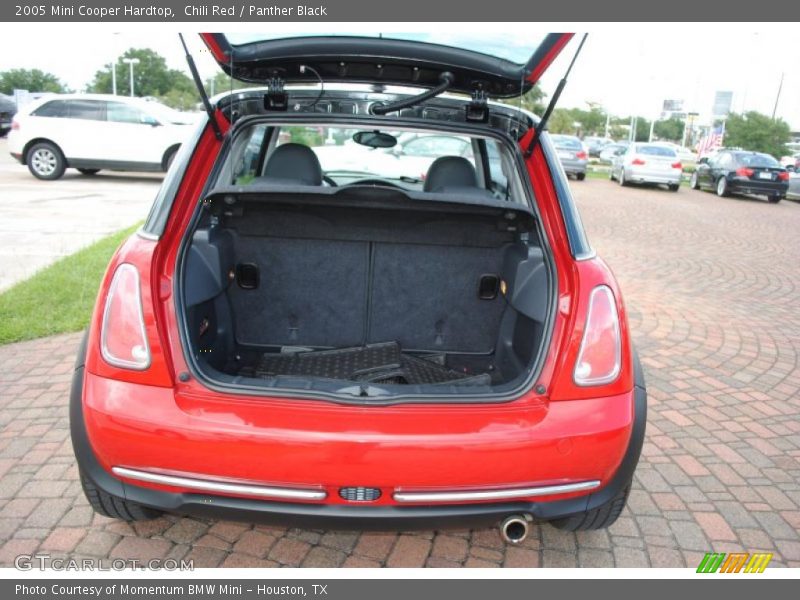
[(360, 494)]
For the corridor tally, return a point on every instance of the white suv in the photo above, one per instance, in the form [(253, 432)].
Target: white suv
[(90, 132)]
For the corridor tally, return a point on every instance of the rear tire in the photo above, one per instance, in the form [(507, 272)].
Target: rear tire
[(611, 174), (693, 183), (622, 181), (88, 171), (722, 187), (580, 176), (45, 161), (674, 188), (115, 507), (598, 518), (775, 199)]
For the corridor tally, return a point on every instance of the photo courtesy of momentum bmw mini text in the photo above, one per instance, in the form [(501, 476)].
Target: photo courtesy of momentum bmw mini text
[(344, 288)]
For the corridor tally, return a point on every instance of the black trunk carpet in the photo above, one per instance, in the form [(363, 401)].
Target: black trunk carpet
[(374, 363)]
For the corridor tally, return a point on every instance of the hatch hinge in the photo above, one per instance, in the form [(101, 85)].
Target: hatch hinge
[(276, 98), (477, 111)]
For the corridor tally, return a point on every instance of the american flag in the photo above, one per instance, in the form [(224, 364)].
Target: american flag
[(711, 141)]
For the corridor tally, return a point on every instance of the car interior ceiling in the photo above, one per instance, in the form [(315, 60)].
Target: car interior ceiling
[(283, 291)]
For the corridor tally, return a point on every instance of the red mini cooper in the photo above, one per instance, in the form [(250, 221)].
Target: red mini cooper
[(363, 298)]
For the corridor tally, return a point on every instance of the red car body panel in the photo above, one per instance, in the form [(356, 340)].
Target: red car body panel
[(152, 421), (320, 444)]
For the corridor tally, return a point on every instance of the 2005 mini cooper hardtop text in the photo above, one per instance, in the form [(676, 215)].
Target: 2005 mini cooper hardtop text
[(319, 326)]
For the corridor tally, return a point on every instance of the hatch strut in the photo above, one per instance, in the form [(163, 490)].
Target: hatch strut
[(537, 132), (446, 79), (203, 96)]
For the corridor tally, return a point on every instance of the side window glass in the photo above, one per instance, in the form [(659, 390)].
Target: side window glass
[(54, 108), (248, 166), (497, 170), (122, 113), (88, 110)]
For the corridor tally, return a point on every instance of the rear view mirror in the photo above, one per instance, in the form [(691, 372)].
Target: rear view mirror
[(375, 139)]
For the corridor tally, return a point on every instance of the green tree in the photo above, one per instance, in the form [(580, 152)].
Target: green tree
[(221, 83), (32, 80), (669, 129), (532, 100), (151, 76), (593, 122), (642, 129), (562, 121), (757, 132)]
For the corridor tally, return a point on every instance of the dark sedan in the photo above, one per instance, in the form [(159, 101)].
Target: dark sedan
[(7, 110), (736, 171)]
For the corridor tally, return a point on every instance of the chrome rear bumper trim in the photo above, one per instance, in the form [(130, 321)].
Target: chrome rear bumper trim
[(501, 494), (221, 487)]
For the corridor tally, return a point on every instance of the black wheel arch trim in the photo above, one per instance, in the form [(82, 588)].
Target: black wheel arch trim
[(345, 516)]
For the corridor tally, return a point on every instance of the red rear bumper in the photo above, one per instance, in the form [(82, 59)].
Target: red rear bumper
[(320, 445)]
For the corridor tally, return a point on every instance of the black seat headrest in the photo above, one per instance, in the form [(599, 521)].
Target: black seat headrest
[(292, 164), (448, 172)]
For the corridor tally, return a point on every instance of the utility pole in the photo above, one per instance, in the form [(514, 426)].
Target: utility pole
[(777, 98), (652, 126)]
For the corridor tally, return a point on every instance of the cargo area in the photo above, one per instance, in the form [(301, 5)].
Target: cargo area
[(365, 293)]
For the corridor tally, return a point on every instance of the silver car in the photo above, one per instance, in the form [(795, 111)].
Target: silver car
[(571, 154), (793, 193), (648, 163), (608, 153)]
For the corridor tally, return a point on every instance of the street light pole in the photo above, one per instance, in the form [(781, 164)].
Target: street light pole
[(131, 62), (114, 77), (777, 98)]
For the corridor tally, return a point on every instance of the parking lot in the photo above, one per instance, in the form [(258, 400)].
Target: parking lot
[(711, 287), (43, 221)]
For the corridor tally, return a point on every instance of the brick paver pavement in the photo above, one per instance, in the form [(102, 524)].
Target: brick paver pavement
[(711, 287)]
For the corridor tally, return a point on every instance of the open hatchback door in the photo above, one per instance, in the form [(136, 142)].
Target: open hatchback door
[(500, 70)]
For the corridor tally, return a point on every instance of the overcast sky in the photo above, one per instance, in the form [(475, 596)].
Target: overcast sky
[(626, 68)]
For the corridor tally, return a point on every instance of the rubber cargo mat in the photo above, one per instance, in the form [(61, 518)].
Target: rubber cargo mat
[(374, 363)]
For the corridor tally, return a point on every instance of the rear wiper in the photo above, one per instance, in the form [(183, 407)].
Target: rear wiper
[(446, 79), (537, 132)]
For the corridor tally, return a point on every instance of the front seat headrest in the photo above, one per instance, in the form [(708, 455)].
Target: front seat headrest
[(450, 172), (293, 164)]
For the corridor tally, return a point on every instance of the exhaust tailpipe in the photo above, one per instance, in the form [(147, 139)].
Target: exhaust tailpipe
[(515, 529)]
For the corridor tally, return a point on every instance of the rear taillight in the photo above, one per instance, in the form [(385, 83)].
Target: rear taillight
[(580, 155), (783, 176), (677, 165), (600, 355), (744, 172), (123, 340), (637, 161)]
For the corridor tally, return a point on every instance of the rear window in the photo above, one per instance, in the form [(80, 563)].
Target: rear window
[(656, 151), (570, 143), (756, 160)]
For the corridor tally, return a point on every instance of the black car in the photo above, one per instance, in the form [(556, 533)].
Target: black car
[(8, 109), (737, 171)]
